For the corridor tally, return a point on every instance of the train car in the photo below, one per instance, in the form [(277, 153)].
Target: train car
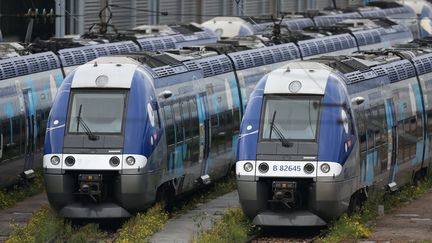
[(332, 131), (423, 9), (30, 78), (48, 81), (178, 128), (27, 88), (404, 14)]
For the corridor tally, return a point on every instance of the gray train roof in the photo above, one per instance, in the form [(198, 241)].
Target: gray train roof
[(24, 65), (371, 65)]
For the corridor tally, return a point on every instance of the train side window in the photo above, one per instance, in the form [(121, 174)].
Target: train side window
[(169, 124), (186, 119), (156, 112), (215, 119), (178, 122), (194, 117)]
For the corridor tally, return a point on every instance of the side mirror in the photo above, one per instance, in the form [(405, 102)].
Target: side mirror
[(165, 94), (357, 100)]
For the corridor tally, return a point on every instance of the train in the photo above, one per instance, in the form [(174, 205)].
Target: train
[(413, 14), (318, 137), (42, 72), (30, 77), (127, 131)]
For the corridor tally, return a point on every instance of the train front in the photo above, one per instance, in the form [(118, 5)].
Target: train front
[(99, 142), (297, 150)]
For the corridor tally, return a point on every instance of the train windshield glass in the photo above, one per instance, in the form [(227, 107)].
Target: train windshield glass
[(96, 112), (290, 118)]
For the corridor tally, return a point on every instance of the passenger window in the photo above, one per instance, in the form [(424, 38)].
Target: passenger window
[(169, 124), (186, 119), (178, 122), (194, 117)]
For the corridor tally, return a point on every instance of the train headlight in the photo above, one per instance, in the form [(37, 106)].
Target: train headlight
[(295, 86), (130, 160), (114, 161), (70, 161), (325, 168), (309, 168), (101, 81), (55, 160), (248, 167), (263, 167)]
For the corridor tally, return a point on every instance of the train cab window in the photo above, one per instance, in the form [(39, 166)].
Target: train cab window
[(289, 117), (88, 111)]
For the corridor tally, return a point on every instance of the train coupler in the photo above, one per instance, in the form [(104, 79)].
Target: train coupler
[(284, 192), (91, 185)]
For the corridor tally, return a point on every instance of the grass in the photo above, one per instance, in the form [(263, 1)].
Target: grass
[(10, 196), (46, 225), (43, 225), (360, 224), (142, 226), (233, 227)]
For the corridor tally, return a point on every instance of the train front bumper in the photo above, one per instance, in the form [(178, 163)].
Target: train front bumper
[(323, 196), (128, 194), (326, 200)]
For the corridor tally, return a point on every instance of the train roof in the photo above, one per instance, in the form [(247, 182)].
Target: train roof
[(384, 66)]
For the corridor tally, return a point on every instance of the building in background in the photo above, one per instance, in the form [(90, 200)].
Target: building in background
[(80, 15), (14, 23), (77, 16)]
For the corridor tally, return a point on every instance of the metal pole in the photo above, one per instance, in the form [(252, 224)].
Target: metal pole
[(133, 23), (81, 24), (60, 21)]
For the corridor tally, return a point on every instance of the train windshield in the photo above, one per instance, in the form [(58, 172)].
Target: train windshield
[(290, 118), (97, 112)]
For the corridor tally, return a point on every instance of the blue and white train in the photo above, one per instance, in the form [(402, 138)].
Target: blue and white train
[(124, 132), (33, 80), (319, 136), (29, 83), (413, 14)]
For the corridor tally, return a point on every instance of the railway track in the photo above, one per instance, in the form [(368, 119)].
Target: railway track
[(287, 235)]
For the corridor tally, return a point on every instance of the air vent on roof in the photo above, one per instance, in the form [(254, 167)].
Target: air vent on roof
[(367, 37), (81, 55), (326, 44), (396, 71), (169, 70), (25, 65), (211, 66), (299, 24), (423, 64), (327, 20), (355, 77), (264, 56)]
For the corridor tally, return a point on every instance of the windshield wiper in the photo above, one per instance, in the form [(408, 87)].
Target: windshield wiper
[(282, 138), (80, 122)]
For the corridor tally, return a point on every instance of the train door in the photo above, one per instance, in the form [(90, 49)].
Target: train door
[(204, 134), (30, 128)]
